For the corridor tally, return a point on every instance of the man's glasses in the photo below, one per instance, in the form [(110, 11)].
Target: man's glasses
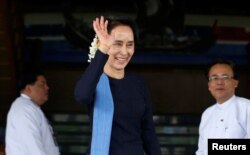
[(217, 78)]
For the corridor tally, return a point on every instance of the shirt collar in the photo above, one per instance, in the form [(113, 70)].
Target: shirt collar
[(226, 103), (25, 96)]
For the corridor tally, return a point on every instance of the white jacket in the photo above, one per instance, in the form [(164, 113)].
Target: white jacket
[(28, 131), (228, 120)]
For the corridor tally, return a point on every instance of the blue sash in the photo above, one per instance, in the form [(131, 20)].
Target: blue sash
[(103, 118)]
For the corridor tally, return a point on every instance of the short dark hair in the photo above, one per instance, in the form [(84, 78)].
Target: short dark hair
[(28, 76), (113, 22), (230, 63)]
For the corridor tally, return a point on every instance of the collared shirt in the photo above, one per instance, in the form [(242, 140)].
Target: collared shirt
[(228, 120), (28, 131)]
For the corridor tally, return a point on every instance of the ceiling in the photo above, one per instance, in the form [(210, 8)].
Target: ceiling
[(213, 7)]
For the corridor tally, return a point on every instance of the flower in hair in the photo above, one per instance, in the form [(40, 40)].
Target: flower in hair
[(92, 49)]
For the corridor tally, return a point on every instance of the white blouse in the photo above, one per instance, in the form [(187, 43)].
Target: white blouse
[(28, 131), (228, 120)]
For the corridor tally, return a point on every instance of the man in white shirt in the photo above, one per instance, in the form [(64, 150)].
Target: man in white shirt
[(229, 117), (28, 131)]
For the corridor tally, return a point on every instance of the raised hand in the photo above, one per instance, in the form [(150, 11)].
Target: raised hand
[(105, 39)]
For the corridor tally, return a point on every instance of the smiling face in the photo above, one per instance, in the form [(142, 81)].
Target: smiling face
[(221, 84), (121, 50)]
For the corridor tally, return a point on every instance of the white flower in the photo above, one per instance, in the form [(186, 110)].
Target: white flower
[(92, 49)]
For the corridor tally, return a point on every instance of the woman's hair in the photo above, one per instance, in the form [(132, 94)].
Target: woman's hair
[(113, 22), (225, 62)]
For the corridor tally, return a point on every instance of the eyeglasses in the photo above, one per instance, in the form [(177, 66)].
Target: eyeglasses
[(223, 78)]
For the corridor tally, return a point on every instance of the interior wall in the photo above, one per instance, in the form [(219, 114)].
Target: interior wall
[(172, 90)]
